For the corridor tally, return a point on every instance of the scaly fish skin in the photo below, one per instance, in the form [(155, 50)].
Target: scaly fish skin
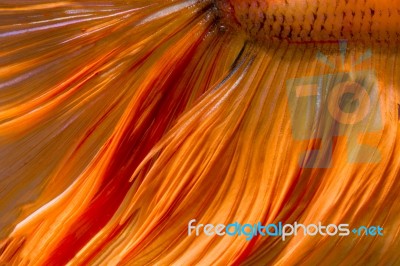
[(366, 21)]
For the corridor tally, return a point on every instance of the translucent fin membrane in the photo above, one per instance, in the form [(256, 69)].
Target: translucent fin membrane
[(120, 121)]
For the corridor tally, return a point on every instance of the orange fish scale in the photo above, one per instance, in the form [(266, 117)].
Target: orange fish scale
[(313, 21)]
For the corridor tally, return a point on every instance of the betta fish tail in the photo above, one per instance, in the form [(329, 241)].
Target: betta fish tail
[(254, 148), (87, 90), (123, 121)]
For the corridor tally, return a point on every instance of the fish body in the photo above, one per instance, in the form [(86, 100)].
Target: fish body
[(366, 21)]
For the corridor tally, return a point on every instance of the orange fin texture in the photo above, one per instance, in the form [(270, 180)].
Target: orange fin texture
[(121, 121)]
